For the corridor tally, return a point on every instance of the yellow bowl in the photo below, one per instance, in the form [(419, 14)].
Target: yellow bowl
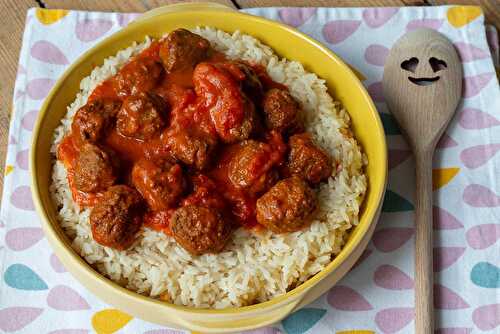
[(287, 42)]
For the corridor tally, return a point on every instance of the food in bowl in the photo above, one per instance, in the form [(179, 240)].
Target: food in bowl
[(203, 170)]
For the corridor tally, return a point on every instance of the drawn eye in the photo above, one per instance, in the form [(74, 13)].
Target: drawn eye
[(437, 64), (410, 64)]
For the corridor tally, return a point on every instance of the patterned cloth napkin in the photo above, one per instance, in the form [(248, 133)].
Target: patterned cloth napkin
[(37, 295)]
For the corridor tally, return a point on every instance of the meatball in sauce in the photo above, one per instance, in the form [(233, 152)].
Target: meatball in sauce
[(141, 116), (280, 110), (200, 229), (287, 207), (94, 119), (187, 142), (307, 160), (117, 217), (94, 170), (182, 50)]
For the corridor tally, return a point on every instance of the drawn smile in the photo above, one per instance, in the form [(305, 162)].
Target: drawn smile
[(423, 81)]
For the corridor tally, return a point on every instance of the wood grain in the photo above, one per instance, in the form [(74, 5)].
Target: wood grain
[(423, 111), (326, 3), (12, 23), (118, 5)]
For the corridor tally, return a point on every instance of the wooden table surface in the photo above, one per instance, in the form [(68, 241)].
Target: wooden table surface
[(14, 13)]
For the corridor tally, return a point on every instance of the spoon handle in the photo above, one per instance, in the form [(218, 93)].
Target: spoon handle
[(424, 312)]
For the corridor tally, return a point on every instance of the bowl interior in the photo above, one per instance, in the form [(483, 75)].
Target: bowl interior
[(286, 42)]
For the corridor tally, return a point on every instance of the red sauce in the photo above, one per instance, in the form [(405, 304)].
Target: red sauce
[(159, 221), (185, 109)]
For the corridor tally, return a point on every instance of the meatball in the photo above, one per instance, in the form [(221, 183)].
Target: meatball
[(94, 169), (93, 120), (140, 75), (161, 184), (182, 49), (231, 111), (250, 166), (117, 217), (191, 147), (287, 206), (200, 230), (141, 116), (280, 110), (307, 160)]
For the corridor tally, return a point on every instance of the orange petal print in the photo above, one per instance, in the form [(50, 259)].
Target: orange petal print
[(460, 16), (49, 16), (109, 321), (442, 176)]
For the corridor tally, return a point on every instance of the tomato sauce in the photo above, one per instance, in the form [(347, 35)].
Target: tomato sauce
[(185, 109)]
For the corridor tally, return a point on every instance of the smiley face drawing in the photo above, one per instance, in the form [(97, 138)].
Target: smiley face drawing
[(437, 65), (423, 62)]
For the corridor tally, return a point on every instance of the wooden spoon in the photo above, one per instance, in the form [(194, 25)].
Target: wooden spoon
[(422, 86)]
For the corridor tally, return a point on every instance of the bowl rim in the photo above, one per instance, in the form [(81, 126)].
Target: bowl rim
[(58, 244)]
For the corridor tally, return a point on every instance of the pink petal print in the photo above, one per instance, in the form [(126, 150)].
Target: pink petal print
[(445, 299), (469, 52), (126, 18), (56, 264), (335, 32), (424, 23), (346, 299), (390, 277), (37, 89), (29, 119), (476, 156), (376, 91), (21, 198), (12, 140), (483, 236), (64, 298), (392, 320), (22, 159), (49, 53), (389, 239), (296, 16), (366, 253), (445, 142), (479, 196), (377, 17), (376, 54), (453, 330), (443, 220), (476, 119), (15, 318), (444, 257), (472, 85), (397, 157), (69, 331), (91, 29), (487, 317), (22, 238)]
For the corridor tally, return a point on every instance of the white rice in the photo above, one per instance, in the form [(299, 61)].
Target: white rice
[(252, 268)]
